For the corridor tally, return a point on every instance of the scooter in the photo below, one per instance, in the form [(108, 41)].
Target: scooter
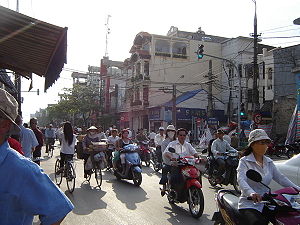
[(230, 175), (145, 153), (285, 203), (133, 168), (108, 155), (189, 189), (156, 160)]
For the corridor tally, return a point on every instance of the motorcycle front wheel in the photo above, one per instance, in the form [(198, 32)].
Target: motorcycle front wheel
[(137, 178), (196, 201)]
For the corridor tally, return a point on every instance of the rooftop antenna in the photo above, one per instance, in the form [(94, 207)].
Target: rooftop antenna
[(107, 33)]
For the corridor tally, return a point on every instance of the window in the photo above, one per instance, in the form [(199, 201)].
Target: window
[(162, 48), (270, 73), (240, 70), (146, 68), (249, 70), (179, 50)]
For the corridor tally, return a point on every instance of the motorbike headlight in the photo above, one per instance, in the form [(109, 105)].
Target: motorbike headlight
[(294, 200)]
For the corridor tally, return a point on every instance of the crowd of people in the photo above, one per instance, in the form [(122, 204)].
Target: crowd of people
[(40, 196)]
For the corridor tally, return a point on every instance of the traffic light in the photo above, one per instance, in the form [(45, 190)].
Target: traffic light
[(200, 51), (243, 112), (38, 91)]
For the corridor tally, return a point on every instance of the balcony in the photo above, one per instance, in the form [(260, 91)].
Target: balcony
[(136, 103)]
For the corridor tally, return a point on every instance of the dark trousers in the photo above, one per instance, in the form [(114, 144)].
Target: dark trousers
[(221, 166), (255, 217), (65, 157), (159, 153), (164, 176)]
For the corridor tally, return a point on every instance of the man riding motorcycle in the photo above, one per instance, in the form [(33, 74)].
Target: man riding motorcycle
[(182, 148), (218, 148)]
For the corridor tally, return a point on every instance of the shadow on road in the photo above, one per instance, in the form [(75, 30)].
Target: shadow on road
[(86, 200), (150, 171), (180, 215), (128, 194)]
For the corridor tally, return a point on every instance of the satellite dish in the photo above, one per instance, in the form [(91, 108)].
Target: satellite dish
[(297, 21)]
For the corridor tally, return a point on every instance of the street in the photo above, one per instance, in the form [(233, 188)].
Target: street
[(120, 202)]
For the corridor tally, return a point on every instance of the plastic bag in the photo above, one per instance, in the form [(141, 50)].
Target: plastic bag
[(89, 164)]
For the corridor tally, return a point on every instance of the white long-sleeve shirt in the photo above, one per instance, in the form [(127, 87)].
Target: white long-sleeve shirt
[(183, 150), (220, 146), (268, 172), (159, 139)]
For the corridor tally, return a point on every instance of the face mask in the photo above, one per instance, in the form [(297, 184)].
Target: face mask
[(93, 133), (171, 134)]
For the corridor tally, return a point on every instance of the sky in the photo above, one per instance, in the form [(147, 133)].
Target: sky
[(86, 29)]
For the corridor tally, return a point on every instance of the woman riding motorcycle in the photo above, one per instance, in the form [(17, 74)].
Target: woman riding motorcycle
[(253, 211), (170, 136), (123, 141), (92, 136)]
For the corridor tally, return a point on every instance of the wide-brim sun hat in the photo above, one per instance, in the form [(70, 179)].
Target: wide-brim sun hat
[(92, 128), (9, 109), (257, 135), (171, 127)]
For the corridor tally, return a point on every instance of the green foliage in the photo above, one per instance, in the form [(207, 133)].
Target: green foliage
[(77, 104)]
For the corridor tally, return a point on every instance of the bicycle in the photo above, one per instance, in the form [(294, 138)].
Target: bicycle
[(97, 157), (68, 171)]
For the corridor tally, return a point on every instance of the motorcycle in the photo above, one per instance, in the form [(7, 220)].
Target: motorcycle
[(133, 167), (145, 152), (285, 203), (189, 190), (293, 149), (156, 159), (230, 175)]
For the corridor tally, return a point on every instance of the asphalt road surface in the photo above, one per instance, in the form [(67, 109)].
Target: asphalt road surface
[(120, 202)]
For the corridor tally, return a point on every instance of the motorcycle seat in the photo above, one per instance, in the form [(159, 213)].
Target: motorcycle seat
[(231, 201)]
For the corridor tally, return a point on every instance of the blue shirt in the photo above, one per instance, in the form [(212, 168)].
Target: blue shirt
[(25, 191), (50, 133), (28, 141)]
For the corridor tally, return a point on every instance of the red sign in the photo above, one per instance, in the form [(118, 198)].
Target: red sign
[(257, 118)]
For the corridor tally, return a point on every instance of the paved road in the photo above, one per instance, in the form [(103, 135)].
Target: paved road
[(120, 202)]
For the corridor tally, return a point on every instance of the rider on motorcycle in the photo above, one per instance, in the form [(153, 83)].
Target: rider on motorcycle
[(182, 148), (123, 141), (253, 211), (159, 138), (111, 140), (218, 148), (170, 136)]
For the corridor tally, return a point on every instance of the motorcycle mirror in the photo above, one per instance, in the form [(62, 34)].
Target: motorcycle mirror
[(254, 175), (172, 150), (204, 151)]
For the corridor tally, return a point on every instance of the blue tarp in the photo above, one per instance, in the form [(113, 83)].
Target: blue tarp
[(187, 95)]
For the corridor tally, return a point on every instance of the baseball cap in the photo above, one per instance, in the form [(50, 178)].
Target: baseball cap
[(161, 128), (171, 127), (9, 109), (257, 135)]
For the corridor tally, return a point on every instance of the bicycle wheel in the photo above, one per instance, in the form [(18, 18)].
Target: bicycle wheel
[(98, 176), (57, 174), (70, 176)]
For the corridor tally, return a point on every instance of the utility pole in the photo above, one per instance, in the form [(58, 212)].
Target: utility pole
[(255, 92), (174, 106), (18, 81), (210, 99)]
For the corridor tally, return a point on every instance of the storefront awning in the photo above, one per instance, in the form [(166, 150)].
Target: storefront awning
[(28, 45)]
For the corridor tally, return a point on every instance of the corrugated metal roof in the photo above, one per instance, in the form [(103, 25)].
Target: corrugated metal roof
[(28, 45)]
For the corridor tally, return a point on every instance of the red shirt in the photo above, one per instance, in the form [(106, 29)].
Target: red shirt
[(15, 145)]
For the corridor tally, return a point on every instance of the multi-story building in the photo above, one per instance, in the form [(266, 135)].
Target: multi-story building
[(157, 63)]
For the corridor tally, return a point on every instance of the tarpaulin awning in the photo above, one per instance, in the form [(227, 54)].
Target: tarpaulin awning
[(28, 45), (185, 96)]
